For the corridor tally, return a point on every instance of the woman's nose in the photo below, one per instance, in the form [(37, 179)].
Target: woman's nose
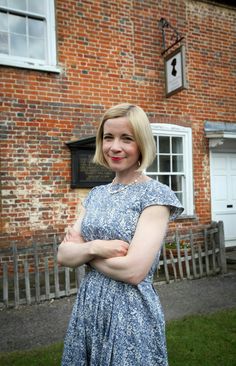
[(115, 146)]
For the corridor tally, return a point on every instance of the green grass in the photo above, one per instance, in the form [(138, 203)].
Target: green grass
[(203, 340), (45, 356)]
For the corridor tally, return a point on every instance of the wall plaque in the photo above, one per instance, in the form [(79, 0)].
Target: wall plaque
[(175, 71), (84, 173)]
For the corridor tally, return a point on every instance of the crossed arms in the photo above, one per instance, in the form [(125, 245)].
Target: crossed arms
[(116, 258)]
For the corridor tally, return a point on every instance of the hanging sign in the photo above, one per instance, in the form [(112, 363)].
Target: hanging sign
[(175, 71)]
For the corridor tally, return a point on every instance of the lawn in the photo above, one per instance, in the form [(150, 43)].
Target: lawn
[(202, 340)]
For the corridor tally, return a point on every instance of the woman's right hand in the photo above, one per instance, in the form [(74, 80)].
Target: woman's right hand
[(109, 248)]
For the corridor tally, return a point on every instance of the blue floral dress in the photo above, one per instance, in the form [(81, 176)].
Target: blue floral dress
[(114, 323)]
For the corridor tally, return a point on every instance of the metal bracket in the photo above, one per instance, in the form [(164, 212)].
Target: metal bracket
[(163, 23)]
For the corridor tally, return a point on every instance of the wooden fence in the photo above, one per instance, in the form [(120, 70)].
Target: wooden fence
[(32, 275)]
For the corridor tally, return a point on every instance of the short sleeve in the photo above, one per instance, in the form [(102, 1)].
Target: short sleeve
[(161, 195), (87, 199)]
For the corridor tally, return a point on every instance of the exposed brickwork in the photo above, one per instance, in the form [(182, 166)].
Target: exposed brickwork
[(110, 52)]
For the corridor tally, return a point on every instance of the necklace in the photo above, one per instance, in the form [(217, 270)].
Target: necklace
[(124, 187)]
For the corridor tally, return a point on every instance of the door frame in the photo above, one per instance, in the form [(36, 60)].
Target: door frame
[(211, 152)]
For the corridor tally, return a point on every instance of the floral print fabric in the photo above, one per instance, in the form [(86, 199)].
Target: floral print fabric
[(114, 323)]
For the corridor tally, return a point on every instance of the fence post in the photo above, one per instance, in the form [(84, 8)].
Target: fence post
[(177, 240), (36, 274), (16, 275), (193, 255), (46, 279), (221, 242), (206, 252), (56, 271), (165, 263), (5, 284), (27, 282)]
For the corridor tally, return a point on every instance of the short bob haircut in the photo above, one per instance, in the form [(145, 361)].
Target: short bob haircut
[(141, 130)]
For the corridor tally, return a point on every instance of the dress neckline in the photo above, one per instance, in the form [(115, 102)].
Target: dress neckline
[(136, 184)]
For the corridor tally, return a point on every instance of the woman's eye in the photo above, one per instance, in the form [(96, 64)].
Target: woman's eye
[(107, 138), (127, 138)]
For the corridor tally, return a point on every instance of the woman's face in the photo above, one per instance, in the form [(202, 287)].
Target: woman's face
[(119, 147)]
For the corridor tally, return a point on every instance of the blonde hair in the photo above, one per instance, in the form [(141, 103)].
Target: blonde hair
[(141, 129)]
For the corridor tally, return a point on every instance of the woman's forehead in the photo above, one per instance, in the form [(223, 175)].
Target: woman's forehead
[(118, 124)]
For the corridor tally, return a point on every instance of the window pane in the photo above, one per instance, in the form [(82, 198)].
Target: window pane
[(17, 24), (3, 2), (4, 43), (177, 163), (36, 28), (36, 48), (18, 45), (177, 145), (164, 163), (180, 197), (152, 176), (17, 4), (176, 182), (164, 179), (155, 138), (3, 22), (153, 166), (36, 6), (164, 144)]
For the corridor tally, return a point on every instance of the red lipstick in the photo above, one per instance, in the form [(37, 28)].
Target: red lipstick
[(116, 158)]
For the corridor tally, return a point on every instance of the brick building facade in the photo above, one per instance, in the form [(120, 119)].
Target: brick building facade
[(97, 54)]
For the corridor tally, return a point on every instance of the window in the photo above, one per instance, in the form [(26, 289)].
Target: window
[(27, 34), (173, 163)]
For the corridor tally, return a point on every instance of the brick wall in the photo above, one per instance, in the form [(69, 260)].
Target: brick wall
[(109, 52)]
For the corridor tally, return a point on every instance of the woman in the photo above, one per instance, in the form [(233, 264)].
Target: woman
[(117, 319)]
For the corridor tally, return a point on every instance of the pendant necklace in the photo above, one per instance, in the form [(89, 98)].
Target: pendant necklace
[(124, 187)]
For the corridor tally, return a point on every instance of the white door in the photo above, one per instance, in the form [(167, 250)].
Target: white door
[(223, 193)]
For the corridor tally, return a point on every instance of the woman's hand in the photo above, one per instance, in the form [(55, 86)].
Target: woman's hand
[(109, 248), (72, 236), (72, 255)]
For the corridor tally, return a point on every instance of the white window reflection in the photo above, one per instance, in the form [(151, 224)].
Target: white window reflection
[(17, 4), (3, 22), (36, 48), (27, 34), (17, 24), (4, 43), (36, 28), (36, 6), (18, 45)]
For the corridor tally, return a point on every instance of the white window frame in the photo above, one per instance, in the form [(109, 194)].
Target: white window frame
[(50, 63), (186, 133)]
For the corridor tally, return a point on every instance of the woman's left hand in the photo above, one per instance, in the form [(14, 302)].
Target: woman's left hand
[(72, 236)]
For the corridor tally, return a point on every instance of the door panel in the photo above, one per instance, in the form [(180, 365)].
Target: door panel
[(223, 192)]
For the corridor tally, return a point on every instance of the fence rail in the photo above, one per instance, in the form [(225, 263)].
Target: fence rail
[(32, 275)]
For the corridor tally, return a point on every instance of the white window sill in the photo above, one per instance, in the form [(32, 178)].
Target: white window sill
[(31, 66)]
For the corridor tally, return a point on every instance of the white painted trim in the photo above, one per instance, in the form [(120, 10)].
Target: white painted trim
[(30, 65), (186, 133), (230, 242), (50, 62), (220, 135), (51, 33)]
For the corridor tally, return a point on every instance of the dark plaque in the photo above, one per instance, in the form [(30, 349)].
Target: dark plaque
[(84, 173)]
